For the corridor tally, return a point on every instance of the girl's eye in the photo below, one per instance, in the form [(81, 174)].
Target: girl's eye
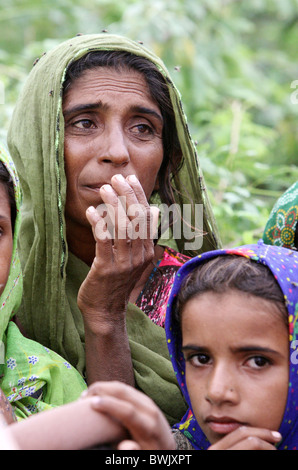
[(258, 362), (198, 360)]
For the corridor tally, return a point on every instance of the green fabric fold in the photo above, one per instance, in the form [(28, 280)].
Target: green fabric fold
[(33, 377)]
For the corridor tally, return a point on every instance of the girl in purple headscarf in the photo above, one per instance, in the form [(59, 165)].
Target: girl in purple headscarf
[(231, 331), (231, 327)]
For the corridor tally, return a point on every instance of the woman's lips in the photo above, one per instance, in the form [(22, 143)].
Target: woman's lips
[(223, 425), (94, 187)]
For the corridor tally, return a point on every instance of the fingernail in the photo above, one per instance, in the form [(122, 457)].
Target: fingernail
[(119, 178), (107, 187), (96, 400), (92, 214), (276, 435), (132, 178)]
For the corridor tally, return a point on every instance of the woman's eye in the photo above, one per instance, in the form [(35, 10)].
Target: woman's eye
[(83, 124), (258, 362), (143, 129)]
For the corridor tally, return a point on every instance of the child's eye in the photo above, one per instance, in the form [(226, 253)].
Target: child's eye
[(198, 360), (258, 362)]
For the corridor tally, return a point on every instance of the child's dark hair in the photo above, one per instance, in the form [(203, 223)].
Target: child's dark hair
[(7, 182), (231, 272)]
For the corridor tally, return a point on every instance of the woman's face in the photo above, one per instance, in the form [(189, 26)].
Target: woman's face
[(236, 349), (112, 126)]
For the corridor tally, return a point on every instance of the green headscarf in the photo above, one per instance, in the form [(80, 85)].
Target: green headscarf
[(52, 275), (281, 227), (32, 377)]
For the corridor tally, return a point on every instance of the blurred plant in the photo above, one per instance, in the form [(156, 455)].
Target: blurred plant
[(233, 62)]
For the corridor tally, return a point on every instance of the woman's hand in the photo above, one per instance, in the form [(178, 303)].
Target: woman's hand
[(121, 258), (136, 412), (247, 438), (124, 248)]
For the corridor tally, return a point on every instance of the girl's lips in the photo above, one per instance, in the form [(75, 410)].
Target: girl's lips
[(223, 425)]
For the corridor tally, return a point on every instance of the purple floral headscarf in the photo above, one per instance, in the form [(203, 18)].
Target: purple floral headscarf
[(283, 264)]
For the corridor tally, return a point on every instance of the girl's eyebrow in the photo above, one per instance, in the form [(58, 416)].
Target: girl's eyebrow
[(256, 348), (191, 347), (248, 348)]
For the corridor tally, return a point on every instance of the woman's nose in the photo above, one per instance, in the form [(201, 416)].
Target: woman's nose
[(222, 387), (113, 148)]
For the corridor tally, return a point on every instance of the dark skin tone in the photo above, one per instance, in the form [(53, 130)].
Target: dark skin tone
[(113, 149)]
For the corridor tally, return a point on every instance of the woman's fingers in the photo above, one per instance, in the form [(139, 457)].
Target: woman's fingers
[(97, 218), (124, 248), (131, 188), (132, 215), (126, 214)]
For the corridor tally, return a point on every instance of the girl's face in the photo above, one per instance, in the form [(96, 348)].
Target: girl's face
[(236, 349), (6, 237)]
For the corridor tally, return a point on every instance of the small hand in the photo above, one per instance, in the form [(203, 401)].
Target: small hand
[(147, 426), (248, 438)]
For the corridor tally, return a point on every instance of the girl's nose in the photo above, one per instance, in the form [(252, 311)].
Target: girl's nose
[(222, 387)]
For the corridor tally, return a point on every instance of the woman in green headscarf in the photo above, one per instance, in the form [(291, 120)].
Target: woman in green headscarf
[(95, 107), (33, 378)]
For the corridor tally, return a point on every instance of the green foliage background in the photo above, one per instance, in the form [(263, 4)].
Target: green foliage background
[(235, 63)]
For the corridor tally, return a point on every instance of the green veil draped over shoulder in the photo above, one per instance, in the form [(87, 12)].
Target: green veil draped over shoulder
[(32, 377), (52, 275)]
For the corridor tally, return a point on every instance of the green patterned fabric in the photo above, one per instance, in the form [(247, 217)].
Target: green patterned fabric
[(52, 275), (32, 377), (281, 227)]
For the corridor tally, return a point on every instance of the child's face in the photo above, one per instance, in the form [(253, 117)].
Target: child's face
[(236, 349), (6, 237)]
